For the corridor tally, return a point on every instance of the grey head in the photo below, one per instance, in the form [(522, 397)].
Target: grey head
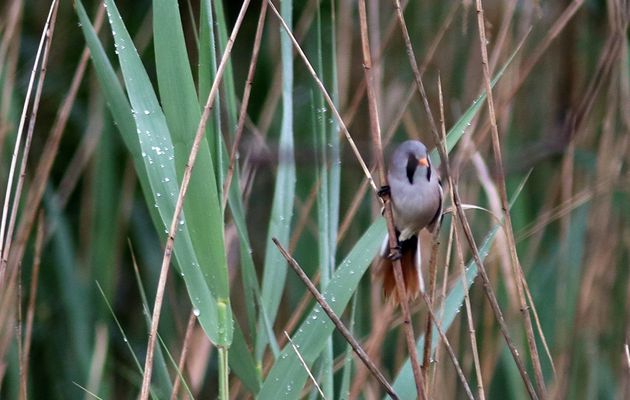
[(410, 162)]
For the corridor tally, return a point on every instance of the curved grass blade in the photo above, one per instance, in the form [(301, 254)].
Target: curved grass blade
[(124, 337)]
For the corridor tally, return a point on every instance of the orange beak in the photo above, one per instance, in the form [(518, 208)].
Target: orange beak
[(423, 162)]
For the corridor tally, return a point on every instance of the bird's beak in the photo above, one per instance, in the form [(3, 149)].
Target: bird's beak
[(423, 162)]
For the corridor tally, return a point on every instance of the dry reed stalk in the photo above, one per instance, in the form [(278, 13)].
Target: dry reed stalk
[(345, 332), (271, 102), (449, 248), (373, 346), (460, 261), (97, 365), (41, 60), (9, 54), (389, 217), (304, 365), (184, 354), (44, 167), (32, 299), (428, 335), (342, 125), (244, 102), (496, 146), (468, 232), (168, 250), (8, 281), (393, 126)]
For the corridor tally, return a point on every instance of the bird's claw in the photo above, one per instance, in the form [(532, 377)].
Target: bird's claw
[(395, 253), (384, 191)]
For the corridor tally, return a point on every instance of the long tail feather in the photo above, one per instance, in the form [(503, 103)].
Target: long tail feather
[(410, 263)]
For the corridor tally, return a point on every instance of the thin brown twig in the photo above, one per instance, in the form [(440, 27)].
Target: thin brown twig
[(373, 345), (428, 336), (182, 358), (20, 337), (271, 101), (304, 365), (460, 261), (449, 348), (244, 102), (393, 240), (443, 293), (329, 101), (351, 113), (44, 167), (303, 218), (335, 319), (32, 297), (551, 35), (44, 46), (85, 150), (29, 134), (9, 56), (168, 250), (468, 232), (496, 146)]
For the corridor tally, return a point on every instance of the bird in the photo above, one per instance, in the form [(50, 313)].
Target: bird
[(416, 195)]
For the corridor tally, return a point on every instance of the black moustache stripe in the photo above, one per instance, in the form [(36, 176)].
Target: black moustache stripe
[(412, 164)]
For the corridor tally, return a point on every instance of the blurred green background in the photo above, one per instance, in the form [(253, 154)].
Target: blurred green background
[(563, 112)]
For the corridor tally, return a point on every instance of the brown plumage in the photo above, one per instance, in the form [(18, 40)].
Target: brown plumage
[(385, 272)]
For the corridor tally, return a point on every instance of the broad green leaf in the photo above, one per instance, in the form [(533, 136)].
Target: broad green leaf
[(152, 150), (182, 111)]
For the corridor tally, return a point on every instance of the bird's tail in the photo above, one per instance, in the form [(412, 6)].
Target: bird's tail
[(410, 263)]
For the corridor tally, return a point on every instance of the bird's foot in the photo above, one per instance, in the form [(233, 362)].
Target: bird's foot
[(395, 253), (384, 191)]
